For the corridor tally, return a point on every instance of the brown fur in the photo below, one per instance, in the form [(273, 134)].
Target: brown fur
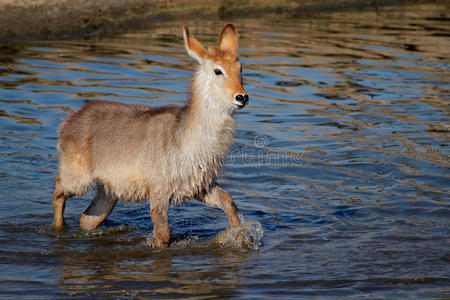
[(166, 154)]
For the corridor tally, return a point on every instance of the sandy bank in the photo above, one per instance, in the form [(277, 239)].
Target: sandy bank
[(35, 19)]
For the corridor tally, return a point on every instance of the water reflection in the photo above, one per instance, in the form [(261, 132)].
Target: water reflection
[(110, 265), (342, 156)]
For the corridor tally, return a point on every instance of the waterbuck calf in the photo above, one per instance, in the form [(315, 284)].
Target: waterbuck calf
[(166, 154)]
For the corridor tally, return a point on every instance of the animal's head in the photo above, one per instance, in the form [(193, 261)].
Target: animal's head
[(220, 69)]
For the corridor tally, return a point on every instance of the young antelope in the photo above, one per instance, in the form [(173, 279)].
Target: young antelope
[(170, 154)]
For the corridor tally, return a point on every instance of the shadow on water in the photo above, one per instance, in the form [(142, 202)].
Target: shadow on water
[(341, 158)]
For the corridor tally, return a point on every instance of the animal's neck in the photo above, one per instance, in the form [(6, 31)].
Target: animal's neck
[(209, 123)]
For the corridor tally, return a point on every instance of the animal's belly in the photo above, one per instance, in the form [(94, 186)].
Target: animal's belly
[(172, 184)]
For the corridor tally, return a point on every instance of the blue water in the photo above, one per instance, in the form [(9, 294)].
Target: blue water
[(339, 166)]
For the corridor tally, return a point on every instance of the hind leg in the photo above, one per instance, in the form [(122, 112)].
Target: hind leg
[(59, 202), (101, 207), (219, 198)]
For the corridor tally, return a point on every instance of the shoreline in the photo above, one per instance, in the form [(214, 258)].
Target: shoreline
[(52, 19)]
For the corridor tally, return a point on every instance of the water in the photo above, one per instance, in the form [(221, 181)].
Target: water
[(341, 159)]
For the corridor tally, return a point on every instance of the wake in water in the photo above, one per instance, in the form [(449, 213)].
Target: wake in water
[(245, 237)]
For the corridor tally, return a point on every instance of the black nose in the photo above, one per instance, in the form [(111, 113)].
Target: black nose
[(242, 99)]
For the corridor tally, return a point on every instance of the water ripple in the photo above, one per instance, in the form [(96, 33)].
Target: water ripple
[(341, 159)]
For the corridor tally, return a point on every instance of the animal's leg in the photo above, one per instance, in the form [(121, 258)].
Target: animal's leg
[(100, 208), (219, 198), (59, 202), (161, 227)]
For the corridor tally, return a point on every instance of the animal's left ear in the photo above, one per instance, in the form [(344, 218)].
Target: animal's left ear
[(228, 39)]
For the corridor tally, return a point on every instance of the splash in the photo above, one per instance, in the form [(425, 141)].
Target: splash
[(247, 236), (182, 241)]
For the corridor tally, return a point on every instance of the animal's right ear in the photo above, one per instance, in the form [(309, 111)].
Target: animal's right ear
[(193, 47)]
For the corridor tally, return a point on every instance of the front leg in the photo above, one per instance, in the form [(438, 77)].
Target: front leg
[(159, 212), (219, 198)]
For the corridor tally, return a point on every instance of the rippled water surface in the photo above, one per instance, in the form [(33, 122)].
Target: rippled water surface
[(342, 158)]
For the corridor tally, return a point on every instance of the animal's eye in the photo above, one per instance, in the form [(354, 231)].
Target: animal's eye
[(218, 72)]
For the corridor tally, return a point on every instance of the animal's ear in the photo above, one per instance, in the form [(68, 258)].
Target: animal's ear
[(193, 47), (228, 39)]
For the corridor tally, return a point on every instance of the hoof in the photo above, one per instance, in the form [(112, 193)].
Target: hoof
[(88, 222), (159, 243), (58, 225)]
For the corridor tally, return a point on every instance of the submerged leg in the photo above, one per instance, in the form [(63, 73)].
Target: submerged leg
[(100, 208), (219, 198), (59, 202), (161, 227)]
